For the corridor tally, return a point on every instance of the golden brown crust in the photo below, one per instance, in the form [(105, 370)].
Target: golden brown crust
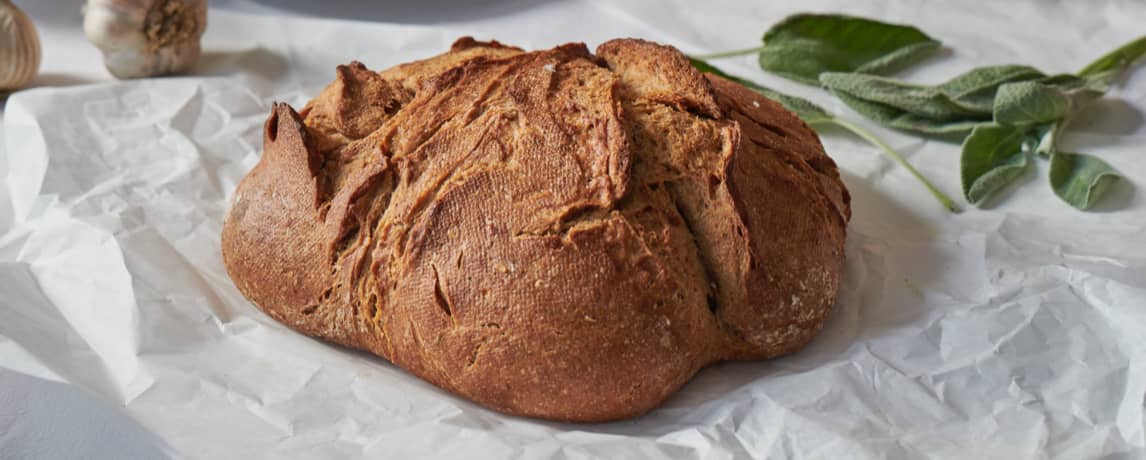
[(553, 234)]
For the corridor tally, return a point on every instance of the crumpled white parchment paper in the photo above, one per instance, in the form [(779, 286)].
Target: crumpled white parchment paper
[(1012, 332)]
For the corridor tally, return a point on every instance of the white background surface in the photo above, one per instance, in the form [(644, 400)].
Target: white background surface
[(1012, 332)]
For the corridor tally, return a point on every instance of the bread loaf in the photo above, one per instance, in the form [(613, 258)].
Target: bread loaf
[(553, 234)]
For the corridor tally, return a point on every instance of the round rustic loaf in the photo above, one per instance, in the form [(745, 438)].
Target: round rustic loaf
[(552, 234)]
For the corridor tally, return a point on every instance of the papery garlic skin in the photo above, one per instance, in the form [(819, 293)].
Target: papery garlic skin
[(143, 38), (19, 48)]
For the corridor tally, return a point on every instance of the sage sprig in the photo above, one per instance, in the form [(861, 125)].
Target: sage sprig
[(954, 106), (1007, 113), (1002, 107), (816, 116), (1042, 109)]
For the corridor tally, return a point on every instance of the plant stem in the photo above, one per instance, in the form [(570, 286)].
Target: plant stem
[(1048, 145), (946, 201), (724, 54), (1118, 60)]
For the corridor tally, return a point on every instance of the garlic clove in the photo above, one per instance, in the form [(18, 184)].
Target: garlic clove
[(19, 47), (143, 38)]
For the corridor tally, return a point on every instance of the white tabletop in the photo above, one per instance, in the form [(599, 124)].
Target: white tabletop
[(1049, 300)]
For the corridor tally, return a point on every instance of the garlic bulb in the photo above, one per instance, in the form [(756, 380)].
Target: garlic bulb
[(19, 47), (143, 38)]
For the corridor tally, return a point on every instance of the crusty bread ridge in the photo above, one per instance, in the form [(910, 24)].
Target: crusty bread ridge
[(554, 234)]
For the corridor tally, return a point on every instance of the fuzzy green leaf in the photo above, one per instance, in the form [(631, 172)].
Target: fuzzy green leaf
[(1044, 101), (1068, 82), (954, 106), (975, 89), (895, 118), (924, 101), (992, 157), (1030, 102), (803, 46), (1078, 91), (1080, 179)]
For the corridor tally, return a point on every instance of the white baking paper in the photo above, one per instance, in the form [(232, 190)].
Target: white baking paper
[(1011, 332)]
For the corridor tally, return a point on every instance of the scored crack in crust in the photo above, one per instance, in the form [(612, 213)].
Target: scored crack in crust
[(554, 234)]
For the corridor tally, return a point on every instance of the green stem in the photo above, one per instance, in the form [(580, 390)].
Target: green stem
[(1118, 60), (946, 201), (724, 54), (1048, 145)]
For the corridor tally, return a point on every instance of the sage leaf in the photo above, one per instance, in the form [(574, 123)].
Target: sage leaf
[(1074, 83), (803, 108), (954, 106), (1030, 102), (1108, 67), (895, 118), (925, 101), (1080, 179), (803, 46), (1037, 102), (992, 157), (975, 89), (1079, 91)]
